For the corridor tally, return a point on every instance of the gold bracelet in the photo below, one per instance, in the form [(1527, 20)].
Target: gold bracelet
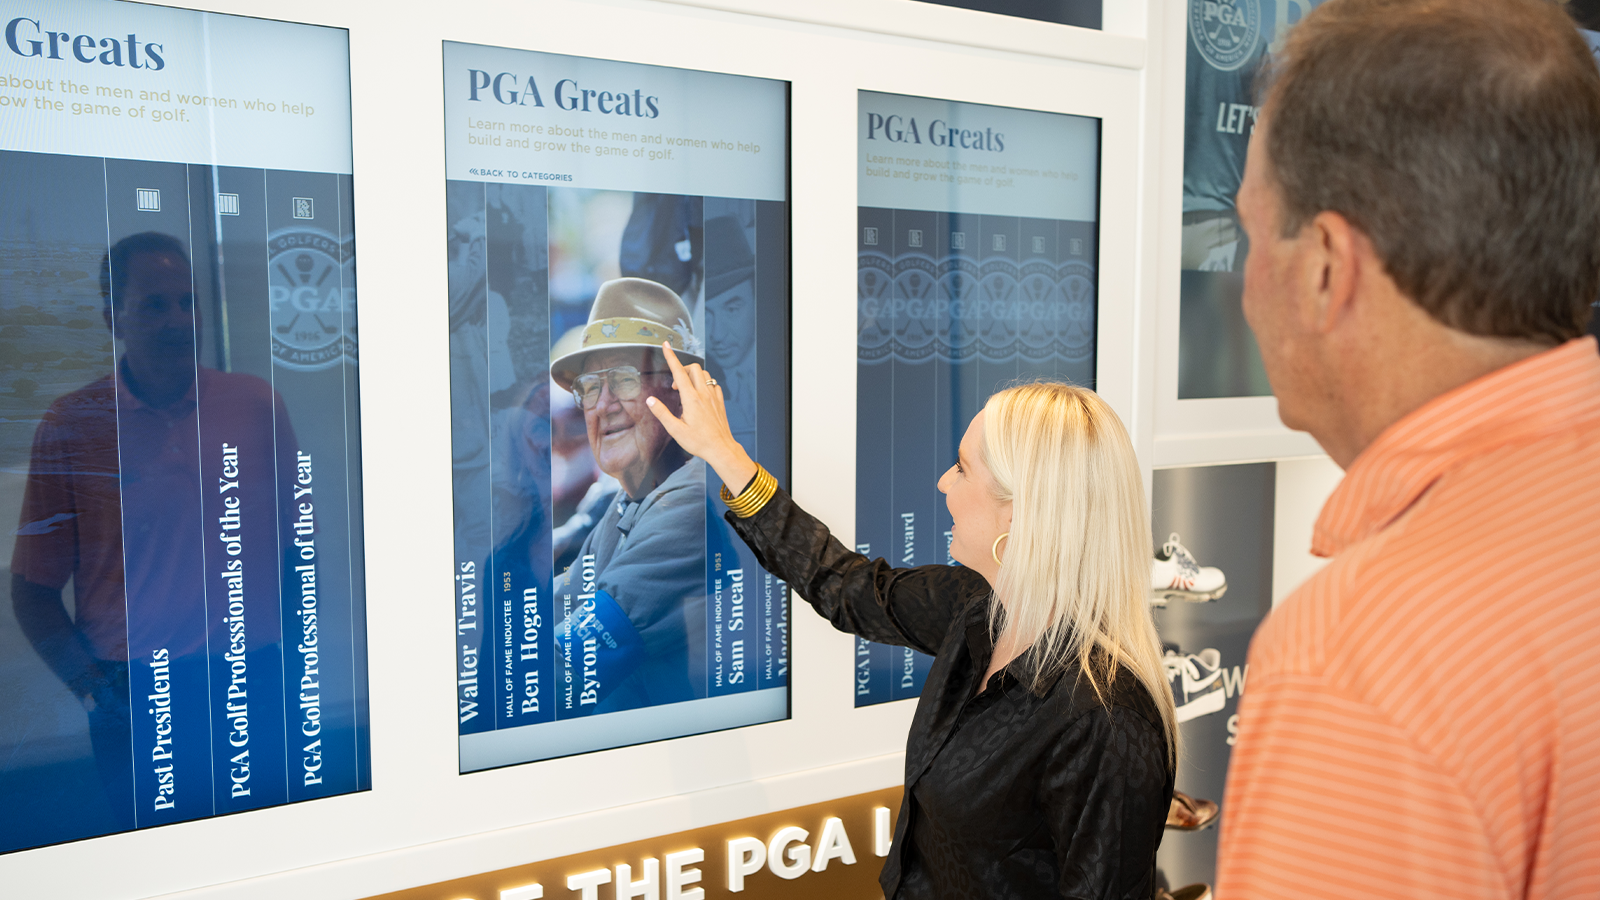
[(753, 497)]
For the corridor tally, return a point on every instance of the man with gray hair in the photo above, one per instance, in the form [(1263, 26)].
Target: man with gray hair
[(1422, 200)]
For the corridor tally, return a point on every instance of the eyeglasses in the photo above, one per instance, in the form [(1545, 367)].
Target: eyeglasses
[(626, 383)]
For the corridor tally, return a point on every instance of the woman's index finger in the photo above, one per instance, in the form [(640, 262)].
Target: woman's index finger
[(673, 364)]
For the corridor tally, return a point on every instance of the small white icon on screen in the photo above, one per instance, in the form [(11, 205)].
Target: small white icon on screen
[(227, 204), (869, 236), (1076, 246), (914, 237), (302, 208), (148, 199), (958, 240), (1038, 244), (999, 243)]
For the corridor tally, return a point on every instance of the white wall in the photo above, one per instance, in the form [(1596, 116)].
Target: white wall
[(1303, 486)]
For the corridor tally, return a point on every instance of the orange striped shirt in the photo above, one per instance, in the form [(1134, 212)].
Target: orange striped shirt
[(1423, 717)]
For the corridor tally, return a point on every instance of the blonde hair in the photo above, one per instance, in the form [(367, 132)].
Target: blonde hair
[(1075, 582)]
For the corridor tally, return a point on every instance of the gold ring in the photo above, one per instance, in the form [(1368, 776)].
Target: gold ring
[(710, 382)]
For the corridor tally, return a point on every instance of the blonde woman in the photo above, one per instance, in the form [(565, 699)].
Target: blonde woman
[(1040, 760)]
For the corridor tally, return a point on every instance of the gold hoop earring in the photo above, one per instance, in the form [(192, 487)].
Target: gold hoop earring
[(994, 551)]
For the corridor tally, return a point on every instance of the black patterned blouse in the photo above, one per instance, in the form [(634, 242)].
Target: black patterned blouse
[(1010, 793)]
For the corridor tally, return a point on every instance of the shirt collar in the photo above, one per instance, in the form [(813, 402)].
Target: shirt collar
[(981, 648), (1530, 399)]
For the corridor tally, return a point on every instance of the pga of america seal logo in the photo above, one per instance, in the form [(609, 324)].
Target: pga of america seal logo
[(312, 298), (1226, 32)]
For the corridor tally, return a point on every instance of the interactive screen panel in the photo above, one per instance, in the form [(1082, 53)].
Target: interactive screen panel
[(179, 441), (595, 210), (976, 268)]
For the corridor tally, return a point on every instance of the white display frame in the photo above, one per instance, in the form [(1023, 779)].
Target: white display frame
[(422, 822)]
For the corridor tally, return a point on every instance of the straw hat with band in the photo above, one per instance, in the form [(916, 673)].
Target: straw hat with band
[(629, 313)]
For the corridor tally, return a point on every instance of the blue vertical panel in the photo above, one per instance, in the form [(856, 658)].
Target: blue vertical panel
[(735, 589), (52, 241), (245, 461), (916, 539), (875, 373), (999, 292), (916, 351), (1036, 299), (963, 279), (355, 527), (1077, 319), (872, 671), (947, 429), (163, 534), (517, 253), (874, 380), (309, 262), (469, 441), (772, 418)]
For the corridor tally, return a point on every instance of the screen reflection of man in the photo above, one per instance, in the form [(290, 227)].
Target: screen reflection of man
[(494, 413), (114, 501), (477, 316), (636, 634)]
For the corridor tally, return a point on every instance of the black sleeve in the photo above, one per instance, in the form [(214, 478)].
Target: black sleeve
[(1105, 792), (860, 596)]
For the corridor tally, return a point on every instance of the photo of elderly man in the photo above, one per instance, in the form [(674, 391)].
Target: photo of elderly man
[(592, 574), (637, 588)]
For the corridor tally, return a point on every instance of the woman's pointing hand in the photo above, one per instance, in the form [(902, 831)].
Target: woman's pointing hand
[(702, 427)]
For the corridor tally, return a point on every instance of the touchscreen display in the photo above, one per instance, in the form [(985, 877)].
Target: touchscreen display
[(976, 268), (179, 439), (594, 210)]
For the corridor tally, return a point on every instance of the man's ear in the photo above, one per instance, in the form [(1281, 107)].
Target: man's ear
[(1334, 266)]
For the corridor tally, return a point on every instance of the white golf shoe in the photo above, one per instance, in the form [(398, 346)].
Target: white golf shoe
[(1174, 575)]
